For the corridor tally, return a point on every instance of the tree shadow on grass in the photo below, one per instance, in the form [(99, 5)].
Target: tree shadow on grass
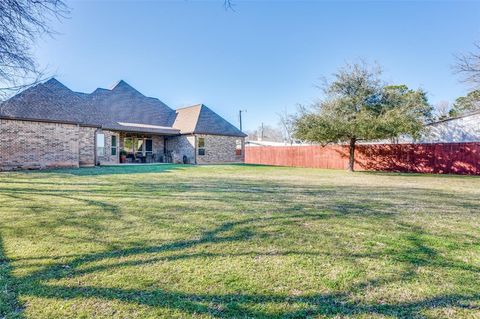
[(415, 174), (344, 202), (234, 305), (10, 306), (115, 170)]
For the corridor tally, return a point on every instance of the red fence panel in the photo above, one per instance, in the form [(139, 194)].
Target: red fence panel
[(440, 158)]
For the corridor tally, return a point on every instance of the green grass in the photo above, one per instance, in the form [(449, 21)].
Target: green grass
[(238, 241)]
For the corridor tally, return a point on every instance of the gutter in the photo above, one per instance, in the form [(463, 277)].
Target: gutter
[(15, 118), (216, 134), (140, 132)]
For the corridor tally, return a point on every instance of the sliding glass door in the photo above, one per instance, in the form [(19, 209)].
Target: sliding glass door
[(138, 146)]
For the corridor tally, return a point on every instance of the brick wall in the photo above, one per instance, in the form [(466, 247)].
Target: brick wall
[(108, 158), (158, 147), (179, 146), (221, 149), (33, 145), (87, 146)]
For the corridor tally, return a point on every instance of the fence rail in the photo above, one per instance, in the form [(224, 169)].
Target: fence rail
[(441, 158)]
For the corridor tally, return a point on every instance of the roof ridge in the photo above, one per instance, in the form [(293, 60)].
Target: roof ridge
[(115, 84), (201, 107), (208, 112), (122, 84)]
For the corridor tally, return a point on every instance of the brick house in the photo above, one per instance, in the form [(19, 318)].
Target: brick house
[(49, 125)]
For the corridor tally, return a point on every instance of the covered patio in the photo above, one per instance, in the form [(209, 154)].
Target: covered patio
[(142, 143), (142, 148)]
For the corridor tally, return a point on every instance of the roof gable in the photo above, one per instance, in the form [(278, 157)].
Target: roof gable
[(122, 87), (186, 119), (200, 119), (46, 101)]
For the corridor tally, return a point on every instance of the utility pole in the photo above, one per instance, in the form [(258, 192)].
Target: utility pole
[(240, 118)]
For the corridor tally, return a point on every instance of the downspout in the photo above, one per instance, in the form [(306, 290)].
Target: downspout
[(165, 139), (78, 143), (95, 148), (195, 148)]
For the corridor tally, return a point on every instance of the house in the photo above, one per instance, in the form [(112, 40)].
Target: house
[(461, 129), (49, 125)]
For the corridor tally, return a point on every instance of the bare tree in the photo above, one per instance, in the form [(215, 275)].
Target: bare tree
[(468, 66), (442, 110), (228, 4), (287, 123), (265, 133), (22, 22)]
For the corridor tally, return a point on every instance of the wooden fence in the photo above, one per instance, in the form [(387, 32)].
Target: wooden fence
[(442, 158)]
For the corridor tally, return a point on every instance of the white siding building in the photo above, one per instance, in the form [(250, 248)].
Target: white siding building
[(456, 130), (462, 129)]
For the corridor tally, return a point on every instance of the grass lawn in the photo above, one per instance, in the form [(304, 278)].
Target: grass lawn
[(238, 241)]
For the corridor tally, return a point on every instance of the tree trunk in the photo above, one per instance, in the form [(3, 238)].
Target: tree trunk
[(351, 160)]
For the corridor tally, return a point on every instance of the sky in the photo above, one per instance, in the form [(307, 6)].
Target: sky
[(263, 57)]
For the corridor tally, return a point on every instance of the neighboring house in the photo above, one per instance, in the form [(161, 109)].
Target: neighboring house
[(460, 129), (49, 125)]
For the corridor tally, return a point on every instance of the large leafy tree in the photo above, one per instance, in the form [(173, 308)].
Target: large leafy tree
[(466, 104), (358, 107)]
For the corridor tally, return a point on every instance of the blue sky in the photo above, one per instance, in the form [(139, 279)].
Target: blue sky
[(264, 57)]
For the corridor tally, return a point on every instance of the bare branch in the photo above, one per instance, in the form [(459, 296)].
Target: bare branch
[(22, 22), (228, 5), (287, 123), (468, 67)]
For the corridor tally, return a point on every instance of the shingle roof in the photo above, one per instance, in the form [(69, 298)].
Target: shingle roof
[(46, 101), (125, 104), (201, 119), (114, 109)]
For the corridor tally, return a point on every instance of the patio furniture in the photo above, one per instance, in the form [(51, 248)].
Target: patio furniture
[(150, 158), (130, 158)]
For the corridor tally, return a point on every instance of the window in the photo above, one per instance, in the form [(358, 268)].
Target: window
[(148, 146), (100, 144), (201, 142), (238, 148), (114, 145), (201, 146)]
